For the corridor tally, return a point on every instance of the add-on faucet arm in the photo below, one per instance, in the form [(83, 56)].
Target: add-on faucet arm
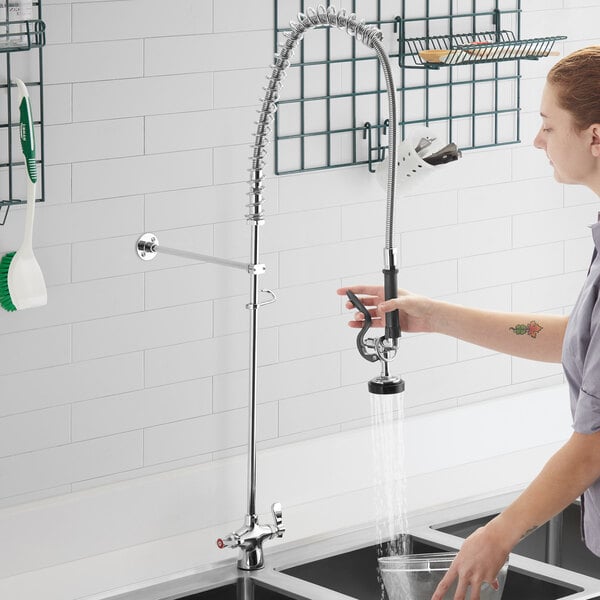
[(147, 247)]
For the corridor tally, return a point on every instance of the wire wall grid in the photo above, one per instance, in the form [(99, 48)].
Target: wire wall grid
[(20, 42), (459, 73), (333, 99)]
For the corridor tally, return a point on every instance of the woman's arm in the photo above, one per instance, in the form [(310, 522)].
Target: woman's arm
[(537, 337), (567, 474)]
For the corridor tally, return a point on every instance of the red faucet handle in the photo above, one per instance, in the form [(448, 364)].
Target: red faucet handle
[(229, 541)]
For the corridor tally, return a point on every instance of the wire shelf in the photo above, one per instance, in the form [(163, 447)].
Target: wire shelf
[(484, 47), (21, 36), (17, 37)]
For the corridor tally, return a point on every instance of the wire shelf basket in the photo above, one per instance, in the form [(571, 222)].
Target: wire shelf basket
[(20, 36), (484, 47)]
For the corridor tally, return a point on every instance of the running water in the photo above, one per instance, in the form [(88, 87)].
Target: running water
[(387, 427)]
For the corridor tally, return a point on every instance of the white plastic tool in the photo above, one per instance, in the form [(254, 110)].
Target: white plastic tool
[(26, 282)]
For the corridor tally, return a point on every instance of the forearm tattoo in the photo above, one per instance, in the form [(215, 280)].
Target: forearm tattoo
[(531, 329)]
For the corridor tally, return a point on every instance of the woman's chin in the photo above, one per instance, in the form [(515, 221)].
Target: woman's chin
[(564, 180)]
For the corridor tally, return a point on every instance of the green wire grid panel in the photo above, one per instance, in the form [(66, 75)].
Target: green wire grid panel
[(461, 70), (17, 39), (333, 104)]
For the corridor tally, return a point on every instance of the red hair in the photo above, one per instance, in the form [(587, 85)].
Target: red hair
[(576, 80)]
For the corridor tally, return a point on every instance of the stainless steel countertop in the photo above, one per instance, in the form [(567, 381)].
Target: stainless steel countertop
[(322, 546)]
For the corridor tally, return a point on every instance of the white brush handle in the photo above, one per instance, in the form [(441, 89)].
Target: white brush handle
[(27, 245)]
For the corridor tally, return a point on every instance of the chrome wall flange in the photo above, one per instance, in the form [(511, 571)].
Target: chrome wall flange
[(147, 246)]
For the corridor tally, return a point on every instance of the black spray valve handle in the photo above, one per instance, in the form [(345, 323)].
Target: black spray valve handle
[(360, 338)]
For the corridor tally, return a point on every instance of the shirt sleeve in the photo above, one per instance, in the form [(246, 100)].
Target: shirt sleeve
[(587, 412)]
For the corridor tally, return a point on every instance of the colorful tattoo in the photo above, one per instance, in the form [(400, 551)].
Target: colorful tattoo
[(532, 329)]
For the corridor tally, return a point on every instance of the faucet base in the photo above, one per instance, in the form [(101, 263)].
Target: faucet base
[(249, 539), (251, 560)]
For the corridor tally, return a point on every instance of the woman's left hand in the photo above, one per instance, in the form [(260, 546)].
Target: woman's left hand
[(479, 561)]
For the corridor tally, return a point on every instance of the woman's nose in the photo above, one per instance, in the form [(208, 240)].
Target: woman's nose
[(538, 140)]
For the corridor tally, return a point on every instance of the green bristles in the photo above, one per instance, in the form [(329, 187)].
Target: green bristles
[(5, 300)]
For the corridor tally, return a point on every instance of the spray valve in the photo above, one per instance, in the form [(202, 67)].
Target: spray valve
[(371, 349), (381, 349)]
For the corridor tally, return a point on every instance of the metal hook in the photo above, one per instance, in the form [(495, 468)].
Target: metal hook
[(368, 132), (6, 208), (379, 150), (272, 299), (381, 153), (367, 129)]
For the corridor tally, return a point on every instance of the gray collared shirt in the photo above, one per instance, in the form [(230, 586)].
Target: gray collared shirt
[(581, 362)]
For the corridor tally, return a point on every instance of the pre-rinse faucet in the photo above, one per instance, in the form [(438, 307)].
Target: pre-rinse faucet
[(250, 537)]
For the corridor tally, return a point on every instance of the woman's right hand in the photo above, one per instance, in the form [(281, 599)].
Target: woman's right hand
[(416, 312)]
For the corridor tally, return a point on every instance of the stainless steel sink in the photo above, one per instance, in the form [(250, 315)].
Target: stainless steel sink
[(355, 574), (243, 589), (343, 566), (557, 543)]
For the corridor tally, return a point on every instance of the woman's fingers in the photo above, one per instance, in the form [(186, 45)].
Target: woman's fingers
[(358, 316), (461, 591), (444, 584), (366, 300), (359, 319)]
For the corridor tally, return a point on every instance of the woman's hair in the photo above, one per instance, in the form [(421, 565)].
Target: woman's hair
[(576, 80)]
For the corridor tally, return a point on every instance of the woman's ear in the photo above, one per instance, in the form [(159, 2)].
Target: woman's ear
[(595, 130)]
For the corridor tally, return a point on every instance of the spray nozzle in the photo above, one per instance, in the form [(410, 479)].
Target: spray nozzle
[(373, 350)]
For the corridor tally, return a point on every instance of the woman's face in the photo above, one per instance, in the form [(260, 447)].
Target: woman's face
[(570, 151)]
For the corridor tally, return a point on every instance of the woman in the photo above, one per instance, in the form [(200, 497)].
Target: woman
[(570, 136)]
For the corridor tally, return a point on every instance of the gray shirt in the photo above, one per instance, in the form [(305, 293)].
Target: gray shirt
[(581, 362)]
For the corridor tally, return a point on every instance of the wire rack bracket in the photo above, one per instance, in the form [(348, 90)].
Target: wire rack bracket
[(16, 38)]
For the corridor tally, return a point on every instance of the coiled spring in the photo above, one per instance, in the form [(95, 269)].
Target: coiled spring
[(369, 35)]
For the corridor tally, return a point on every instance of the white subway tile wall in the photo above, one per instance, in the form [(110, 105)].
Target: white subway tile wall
[(139, 367)]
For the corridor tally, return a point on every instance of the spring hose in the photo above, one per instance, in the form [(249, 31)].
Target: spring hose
[(369, 35)]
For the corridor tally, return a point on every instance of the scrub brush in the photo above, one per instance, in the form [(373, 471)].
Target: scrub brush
[(22, 283)]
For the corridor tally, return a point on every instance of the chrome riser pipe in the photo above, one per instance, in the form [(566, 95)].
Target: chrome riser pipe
[(253, 307)]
